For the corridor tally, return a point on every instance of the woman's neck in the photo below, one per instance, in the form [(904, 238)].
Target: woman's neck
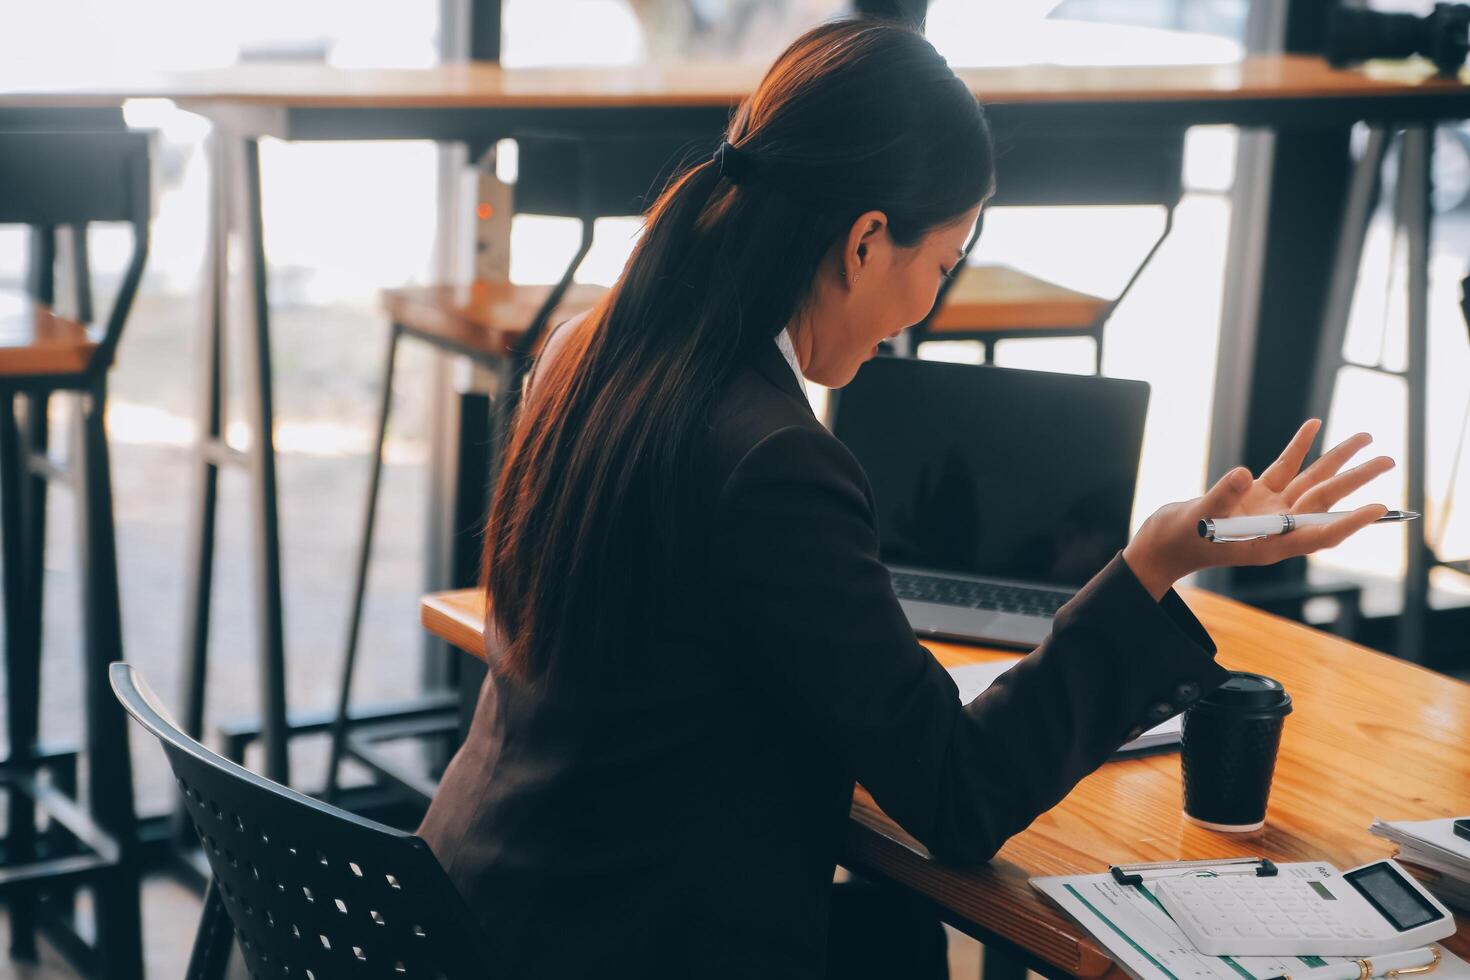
[(801, 342)]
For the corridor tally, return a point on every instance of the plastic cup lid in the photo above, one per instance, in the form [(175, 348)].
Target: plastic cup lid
[(1245, 691)]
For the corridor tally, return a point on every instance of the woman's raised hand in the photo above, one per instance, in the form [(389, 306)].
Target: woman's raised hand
[(1169, 546)]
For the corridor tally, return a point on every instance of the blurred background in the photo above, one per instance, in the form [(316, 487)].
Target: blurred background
[(345, 220)]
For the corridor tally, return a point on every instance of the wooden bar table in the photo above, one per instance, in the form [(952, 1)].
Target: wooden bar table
[(478, 103), (454, 101), (1369, 736)]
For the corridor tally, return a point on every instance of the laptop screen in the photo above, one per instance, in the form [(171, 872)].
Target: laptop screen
[(988, 471)]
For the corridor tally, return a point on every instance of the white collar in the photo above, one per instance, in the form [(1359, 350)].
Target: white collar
[(788, 351)]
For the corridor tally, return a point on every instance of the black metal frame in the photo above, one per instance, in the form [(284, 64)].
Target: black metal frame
[(1095, 330), (1412, 212), (68, 179), (1129, 167), (235, 199)]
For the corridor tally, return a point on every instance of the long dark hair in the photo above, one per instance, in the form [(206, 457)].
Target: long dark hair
[(592, 504)]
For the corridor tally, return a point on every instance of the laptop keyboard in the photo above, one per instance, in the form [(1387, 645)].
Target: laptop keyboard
[(978, 595)]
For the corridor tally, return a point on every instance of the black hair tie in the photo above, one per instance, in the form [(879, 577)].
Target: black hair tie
[(735, 164)]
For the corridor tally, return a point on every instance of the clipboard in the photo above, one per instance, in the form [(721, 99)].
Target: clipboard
[(1133, 874), (1117, 909)]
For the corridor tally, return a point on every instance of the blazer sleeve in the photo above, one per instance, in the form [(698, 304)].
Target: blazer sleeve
[(811, 609)]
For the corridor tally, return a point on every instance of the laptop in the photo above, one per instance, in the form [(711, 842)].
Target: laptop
[(998, 492)]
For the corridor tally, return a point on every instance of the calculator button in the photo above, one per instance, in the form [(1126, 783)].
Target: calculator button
[(1315, 931), (1301, 916), (1362, 933), (1251, 930), (1283, 931), (1342, 932)]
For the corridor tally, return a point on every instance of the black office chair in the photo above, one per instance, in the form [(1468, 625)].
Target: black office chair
[(310, 890)]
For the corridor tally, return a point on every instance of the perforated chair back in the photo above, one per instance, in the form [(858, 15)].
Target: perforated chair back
[(312, 891)]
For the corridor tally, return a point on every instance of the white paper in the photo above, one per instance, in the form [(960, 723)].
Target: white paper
[(973, 679), (1435, 837), (1145, 942)]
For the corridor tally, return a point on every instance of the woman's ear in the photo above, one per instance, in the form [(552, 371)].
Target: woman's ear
[(865, 240)]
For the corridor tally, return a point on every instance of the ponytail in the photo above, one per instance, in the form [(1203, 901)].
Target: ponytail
[(594, 498)]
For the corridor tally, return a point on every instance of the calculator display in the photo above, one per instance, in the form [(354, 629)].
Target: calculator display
[(1398, 901)]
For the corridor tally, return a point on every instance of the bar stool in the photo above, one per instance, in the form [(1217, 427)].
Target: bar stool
[(989, 303), (50, 180), (487, 323), (498, 326)]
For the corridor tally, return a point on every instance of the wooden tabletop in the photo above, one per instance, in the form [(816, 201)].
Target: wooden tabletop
[(702, 84), (1370, 736)]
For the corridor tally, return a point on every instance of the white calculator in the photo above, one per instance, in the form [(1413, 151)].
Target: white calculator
[(1305, 910)]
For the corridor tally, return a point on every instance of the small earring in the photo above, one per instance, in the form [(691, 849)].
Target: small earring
[(857, 276)]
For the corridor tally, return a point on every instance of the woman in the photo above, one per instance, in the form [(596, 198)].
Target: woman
[(696, 651)]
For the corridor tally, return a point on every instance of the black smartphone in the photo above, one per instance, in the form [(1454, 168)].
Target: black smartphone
[(1462, 828)]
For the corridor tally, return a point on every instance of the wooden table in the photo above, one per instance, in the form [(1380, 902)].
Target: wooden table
[(318, 102), (1369, 736)]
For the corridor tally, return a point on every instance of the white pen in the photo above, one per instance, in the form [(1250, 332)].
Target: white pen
[(1264, 525), (1421, 960)]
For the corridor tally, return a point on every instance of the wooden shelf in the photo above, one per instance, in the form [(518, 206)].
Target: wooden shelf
[(35, 341), (484, 317), (989, 298)]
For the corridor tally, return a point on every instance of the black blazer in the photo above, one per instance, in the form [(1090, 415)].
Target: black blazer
[(684, 816)]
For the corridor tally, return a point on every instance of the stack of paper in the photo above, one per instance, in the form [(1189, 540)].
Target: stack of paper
[(1435, 852), (973, 679), (1131, 924)]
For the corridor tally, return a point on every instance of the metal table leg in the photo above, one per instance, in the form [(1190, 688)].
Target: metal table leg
[(263, 470), (22, 677), (207, 462), (364, 555), (1412, 208), (1362, 201), (237, 202), (109, 764)]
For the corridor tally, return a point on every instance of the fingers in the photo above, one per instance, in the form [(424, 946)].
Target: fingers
[(1305, 541), (1298, 542), (1220, 500), (1324, 495), (1279, 474), (1327, 465), (1334, 534)]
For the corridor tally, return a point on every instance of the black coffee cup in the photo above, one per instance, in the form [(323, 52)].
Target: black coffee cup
[(1228, 752)]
